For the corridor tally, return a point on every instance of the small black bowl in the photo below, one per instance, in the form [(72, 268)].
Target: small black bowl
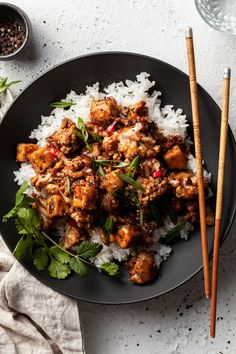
[(9, 11)]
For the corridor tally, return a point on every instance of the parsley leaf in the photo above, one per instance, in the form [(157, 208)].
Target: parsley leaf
[(78, 266), (40, 258), (110, 268), (58, 270), (88, 249), (60, 255)]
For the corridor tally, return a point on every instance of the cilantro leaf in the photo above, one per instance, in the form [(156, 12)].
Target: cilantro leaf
[(60, 255), (21, 200), (28, 220), (88, 249), (40, 258), (110, 268), (78, 266), (24, 243), (58, 270)]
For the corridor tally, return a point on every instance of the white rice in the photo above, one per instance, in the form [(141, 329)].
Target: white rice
[(169, 121)]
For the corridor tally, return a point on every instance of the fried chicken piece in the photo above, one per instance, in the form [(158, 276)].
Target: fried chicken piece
[(138, 109), (154, 188), (41, 159), (103, 110), (112, 182), (83, 218), (65, 137), (109, 203), (127, 235), (23, 150), (73, 236), (52, 188), (55, 206), (110, 144), (85, 195), (142, 268), (175, 158), (185, 184)]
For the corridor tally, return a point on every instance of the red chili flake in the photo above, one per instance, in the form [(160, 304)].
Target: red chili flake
[(111, 129), (156, 174), (54, 151)]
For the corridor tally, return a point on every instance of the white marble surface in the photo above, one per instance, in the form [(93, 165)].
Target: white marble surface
[(176, 322)]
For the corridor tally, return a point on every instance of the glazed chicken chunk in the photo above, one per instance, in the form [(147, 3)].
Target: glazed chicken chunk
[(65, 137), (112, 182), (128, 235), (41, 159), (142, 268), (85, 195), (175, 158), (103, 110), (73, 236), (55, 206), (23, 150)]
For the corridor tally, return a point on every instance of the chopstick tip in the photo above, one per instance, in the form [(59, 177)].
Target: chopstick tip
[(227, 73), (188, 32)]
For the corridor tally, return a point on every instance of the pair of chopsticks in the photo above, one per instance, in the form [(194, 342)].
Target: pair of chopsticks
[(220, 180)]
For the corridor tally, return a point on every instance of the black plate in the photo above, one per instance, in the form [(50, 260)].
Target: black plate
[(24, 115)]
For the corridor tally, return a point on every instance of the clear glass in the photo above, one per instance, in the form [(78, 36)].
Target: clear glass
[(219, 14)]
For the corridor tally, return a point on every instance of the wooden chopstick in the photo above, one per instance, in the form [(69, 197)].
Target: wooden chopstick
[(219, 194), (198, 152)]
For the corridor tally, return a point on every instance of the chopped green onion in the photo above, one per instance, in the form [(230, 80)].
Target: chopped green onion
[(83, 134), (102, 173), (131, 181), (133, 167), (4, 85), (62, 104), (173, 233)]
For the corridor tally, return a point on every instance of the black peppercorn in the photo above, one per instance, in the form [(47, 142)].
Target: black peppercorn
[(12, 36)]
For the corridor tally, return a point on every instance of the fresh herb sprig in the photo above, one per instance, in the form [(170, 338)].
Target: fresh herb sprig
[(62, 104), (4, 84), (58, 261)]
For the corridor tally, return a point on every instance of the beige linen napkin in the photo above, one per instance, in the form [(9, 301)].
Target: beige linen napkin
[(34, 319)]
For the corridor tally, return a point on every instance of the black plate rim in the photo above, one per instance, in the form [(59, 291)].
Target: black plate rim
[(230, 133)]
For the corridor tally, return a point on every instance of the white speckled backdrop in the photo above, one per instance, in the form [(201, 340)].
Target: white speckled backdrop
[(176, 322)]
